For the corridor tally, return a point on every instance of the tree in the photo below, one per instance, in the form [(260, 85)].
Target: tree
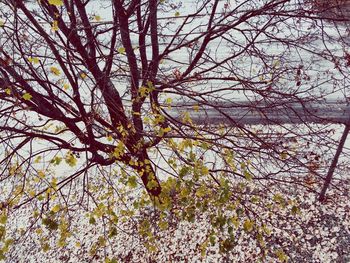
[(111, 96)]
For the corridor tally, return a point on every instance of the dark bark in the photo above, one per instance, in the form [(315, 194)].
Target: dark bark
[(334, 163)]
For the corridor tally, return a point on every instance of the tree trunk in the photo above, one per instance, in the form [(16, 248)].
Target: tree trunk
[(330, 173)]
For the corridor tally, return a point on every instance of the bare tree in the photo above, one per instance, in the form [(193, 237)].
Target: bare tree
[(122, 86)]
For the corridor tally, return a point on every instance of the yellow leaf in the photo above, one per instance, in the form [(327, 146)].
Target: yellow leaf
[(276, 63), (143, 91), (45, 247), (167, 129), (39, 231), (168, 101), (53, 186), (55, 71), (235, 221), (61, 242), (31, 193), (37, 159), (54, 25), (196, 108), (204, 170), (8, 91), (41, 174), (97, 18), (284, 155), (187, 118), (282, 257), (54, 181), (27, 96), (56, 2), (121, 50), (33, 60), (163, 225), (119, 150), (248, 225), (56, 208), (66, 86), (177, 14), (83, 75), (2, 23)]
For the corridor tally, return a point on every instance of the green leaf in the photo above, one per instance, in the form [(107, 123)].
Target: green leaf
[(92, 220), (2, 232), (56, 160), (2, 256), (37, 159), (132, 182), (112, 232), (295, 210), (201, 191), (152, 184), (8, 243), (45, 247), (119, 150), (3, 219), (227, 245), (50, 223), (184, 171), (212, 239), (234, 221), (248, 176), (70, 159), (150, 85)]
